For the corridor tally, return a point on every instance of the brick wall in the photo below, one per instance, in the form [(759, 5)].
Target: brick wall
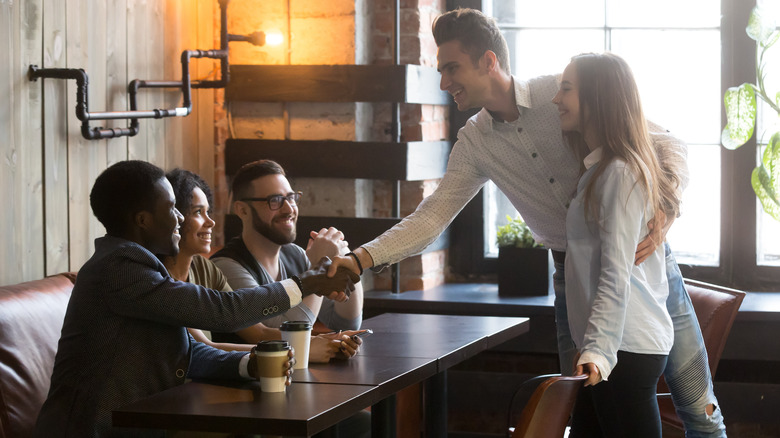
[(337, 32)]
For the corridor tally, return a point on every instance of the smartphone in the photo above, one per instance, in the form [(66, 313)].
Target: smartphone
[(363, 333)]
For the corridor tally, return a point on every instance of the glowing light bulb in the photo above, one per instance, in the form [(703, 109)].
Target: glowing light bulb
[(273, 38)]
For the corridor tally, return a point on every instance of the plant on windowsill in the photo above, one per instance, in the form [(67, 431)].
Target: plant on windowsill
[(741, 107), (524, 266)]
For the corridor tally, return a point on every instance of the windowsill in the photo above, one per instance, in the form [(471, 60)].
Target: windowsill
[(483, 299)]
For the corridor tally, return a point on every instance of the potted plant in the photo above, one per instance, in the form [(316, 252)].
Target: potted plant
[(524, 266), (741, 107)]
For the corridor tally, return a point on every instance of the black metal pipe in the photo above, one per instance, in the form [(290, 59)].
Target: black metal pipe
[(395, 272)]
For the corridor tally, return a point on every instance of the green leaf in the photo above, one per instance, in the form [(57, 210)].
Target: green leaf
[(515, 233), (766, 178), (760, 25), (740, 105)]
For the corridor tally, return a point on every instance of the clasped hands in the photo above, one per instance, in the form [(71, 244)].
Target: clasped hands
[(338, 287)]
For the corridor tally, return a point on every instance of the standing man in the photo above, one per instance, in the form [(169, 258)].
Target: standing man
[(124, 335), (265, 252), (516, 141)]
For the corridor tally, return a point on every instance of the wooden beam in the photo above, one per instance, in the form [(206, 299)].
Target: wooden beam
[(335, 83), (407, 161)]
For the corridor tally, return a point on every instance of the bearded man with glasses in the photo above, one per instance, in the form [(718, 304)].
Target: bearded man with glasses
[(265, 252)]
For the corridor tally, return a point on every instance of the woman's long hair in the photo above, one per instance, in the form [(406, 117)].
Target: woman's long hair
[(610, 106)]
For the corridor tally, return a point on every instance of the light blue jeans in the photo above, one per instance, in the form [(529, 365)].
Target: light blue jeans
[(687, 371)]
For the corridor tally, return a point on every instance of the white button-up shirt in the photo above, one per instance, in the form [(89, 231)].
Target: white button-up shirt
[(527, 159), (613, 304)]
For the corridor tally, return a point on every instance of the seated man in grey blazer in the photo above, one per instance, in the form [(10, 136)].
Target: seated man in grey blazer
[(124, 335)]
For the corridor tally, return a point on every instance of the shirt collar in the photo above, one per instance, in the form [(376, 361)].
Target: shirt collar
[(593, 158), (522, 98)]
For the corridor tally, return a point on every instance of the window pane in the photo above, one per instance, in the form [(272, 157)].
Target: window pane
[(683, 76), (496, 208), (549, 13), (663, 13), (695, 236), (542, 52)]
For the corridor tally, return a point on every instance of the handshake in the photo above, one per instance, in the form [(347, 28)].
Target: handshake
[(316, 281)]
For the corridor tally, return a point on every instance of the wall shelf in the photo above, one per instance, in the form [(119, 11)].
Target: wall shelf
[(405, 161), (335, 83)]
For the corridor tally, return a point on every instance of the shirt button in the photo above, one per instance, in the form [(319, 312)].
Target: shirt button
[(552, 180), (519, 130), (534, 154), (180, 373), (567, 205)]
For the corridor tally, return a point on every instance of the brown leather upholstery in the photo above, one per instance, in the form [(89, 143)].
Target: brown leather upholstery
[(31, 316), (547, 413), (716, 308)]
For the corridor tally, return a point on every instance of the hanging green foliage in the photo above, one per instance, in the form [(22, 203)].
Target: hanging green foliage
[(741, 108)]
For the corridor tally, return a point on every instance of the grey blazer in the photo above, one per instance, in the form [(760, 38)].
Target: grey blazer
[(124, 338)]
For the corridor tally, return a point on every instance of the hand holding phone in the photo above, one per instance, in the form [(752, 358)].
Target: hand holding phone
[(362, 334)]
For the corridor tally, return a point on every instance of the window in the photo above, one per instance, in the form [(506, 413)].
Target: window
[(684, 54)]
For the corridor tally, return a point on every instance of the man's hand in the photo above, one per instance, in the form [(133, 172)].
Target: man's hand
[(658, 227), (288, 365), (326, 243), (590, 368), (336, 287)]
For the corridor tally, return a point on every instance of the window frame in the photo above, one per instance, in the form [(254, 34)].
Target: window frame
[(738, 267)]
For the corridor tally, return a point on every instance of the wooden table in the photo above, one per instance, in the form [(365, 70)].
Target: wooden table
[(405, 349)]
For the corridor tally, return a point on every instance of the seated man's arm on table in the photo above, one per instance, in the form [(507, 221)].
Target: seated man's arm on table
[(213, 363), (238, 277)]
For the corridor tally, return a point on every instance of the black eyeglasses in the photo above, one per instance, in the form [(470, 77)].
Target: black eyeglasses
[(275, 201)]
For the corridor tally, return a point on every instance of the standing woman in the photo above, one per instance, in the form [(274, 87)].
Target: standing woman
[(617, 310)]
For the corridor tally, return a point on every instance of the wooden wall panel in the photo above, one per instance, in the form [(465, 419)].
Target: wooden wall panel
[(47, 168), (116, 75), (155, 41), (55, 144), (27, 101), (86, 48), (20, 154), (208, 12)]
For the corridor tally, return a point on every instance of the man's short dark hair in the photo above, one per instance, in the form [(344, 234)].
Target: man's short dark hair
[(123, 190), (249, 172), (183, 183), (476, 32)]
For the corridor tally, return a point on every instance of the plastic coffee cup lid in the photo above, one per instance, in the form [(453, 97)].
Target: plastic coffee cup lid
[(269, 346), (294, 326)]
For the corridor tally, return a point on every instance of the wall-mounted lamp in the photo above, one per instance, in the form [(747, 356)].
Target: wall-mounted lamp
[(258, 38)]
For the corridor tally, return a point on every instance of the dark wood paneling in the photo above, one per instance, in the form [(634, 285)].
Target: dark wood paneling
[(409, 161), (335, 83)]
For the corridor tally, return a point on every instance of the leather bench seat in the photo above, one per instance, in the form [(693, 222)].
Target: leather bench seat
[(31, 316)]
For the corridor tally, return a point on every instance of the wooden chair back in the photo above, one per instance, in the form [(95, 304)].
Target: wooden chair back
[(547, 413)]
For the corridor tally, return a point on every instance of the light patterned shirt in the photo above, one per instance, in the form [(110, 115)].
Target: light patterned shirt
[(528, 161)]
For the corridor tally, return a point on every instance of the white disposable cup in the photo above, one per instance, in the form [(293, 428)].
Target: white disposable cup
[(298, 334), (271, 358)]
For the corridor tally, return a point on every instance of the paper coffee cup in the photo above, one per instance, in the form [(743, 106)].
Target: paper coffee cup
[(271, 359), (298, 334)]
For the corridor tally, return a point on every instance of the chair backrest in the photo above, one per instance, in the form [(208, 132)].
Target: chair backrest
[(547, 413), (31, 316), (716, 309)]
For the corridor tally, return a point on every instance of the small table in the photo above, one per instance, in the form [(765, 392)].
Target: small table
[(405, 349)]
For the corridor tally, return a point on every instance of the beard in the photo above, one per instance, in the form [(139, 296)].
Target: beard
[(266, 230)]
